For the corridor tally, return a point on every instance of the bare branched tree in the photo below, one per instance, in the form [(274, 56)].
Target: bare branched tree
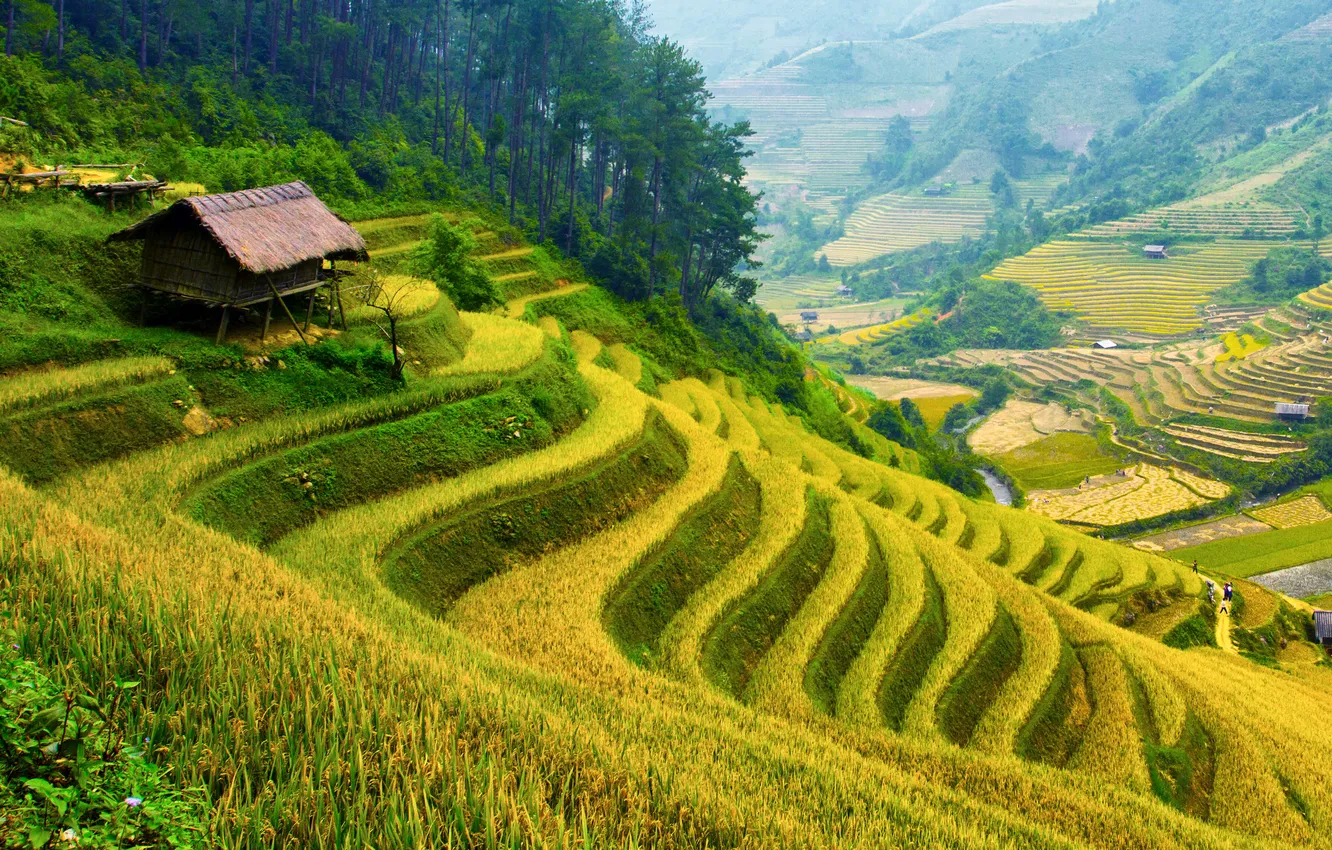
[(392, 301)]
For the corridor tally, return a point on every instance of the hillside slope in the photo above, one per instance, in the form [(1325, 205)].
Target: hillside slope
[(551, 593)]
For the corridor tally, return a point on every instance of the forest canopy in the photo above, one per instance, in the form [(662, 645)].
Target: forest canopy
[(588, 132)]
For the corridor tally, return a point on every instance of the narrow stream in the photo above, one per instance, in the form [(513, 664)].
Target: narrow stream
[(1002, 494)]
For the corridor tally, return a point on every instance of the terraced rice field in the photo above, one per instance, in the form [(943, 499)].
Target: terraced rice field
[(1238, 347), (1253, 219), (530, 605), (1021, 423), (797, 291), (1146, 492), (1240, 445), (1307, 510), (1112, 286), (900, 222), (1017, 12), (878, 332)]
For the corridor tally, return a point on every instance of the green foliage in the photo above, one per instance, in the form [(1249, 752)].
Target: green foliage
[(638, 610), (889, 420), (72, 772), (1060, 460), (274, 495), (911, 414), (438, 564), (984, 314), (446, 258), (1195, 631), (45, 443), (1279, 277), (739, 639)]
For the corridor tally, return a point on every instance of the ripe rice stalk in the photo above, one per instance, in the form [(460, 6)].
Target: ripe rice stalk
[(784, 509), (550, 326), (777, 682), (676, 394), (857, 696), (1041, 647), (497, 345), (740, 432), (773, 433), (32, 388), (586, 346), (987, 533), (1169, 712), (627, 363), (549, 612), (970, 606), (1111, 747), (709, 414)]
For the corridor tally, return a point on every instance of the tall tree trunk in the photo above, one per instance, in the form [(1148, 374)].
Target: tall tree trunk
[(291, 8), (143, 35), (60, 29), (467, 90), (272, 9), (684, 268), (388, 68), (249, 32), (656, 220), (444, 61), (124, 20), (235, 59), (573, 187), (434, 138), (516, 134)]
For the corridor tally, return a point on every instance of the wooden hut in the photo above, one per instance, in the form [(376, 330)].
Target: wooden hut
[(1155, 252), (1292, 411), (243, 248), (1323, 627)]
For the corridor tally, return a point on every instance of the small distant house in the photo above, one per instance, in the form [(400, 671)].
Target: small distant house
[(1292, 411), (1323, 626), (243, 248), (844, 291), (809, 316), (1155, 252), (1105, 344), (934, 191)]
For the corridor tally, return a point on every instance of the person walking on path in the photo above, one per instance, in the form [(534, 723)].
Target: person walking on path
[(1195, 566)]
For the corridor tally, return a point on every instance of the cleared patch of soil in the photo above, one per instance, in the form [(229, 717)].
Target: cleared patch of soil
[(1195, 535), (896, 389), (1021, 423)]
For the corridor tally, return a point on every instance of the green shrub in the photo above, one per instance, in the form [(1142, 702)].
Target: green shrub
[(72, 774)]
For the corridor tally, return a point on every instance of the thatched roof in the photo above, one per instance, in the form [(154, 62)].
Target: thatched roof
[(265, 230)]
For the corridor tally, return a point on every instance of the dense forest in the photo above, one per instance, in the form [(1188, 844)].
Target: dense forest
[(590, 133)]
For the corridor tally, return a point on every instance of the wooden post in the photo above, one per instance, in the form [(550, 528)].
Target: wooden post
[(143, 306), (309, 308), (285, 309), (342, 313), (268, 318), (222, 325), (331, 287)]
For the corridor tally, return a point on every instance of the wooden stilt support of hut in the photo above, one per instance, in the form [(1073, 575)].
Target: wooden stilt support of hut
[(222, 325)]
